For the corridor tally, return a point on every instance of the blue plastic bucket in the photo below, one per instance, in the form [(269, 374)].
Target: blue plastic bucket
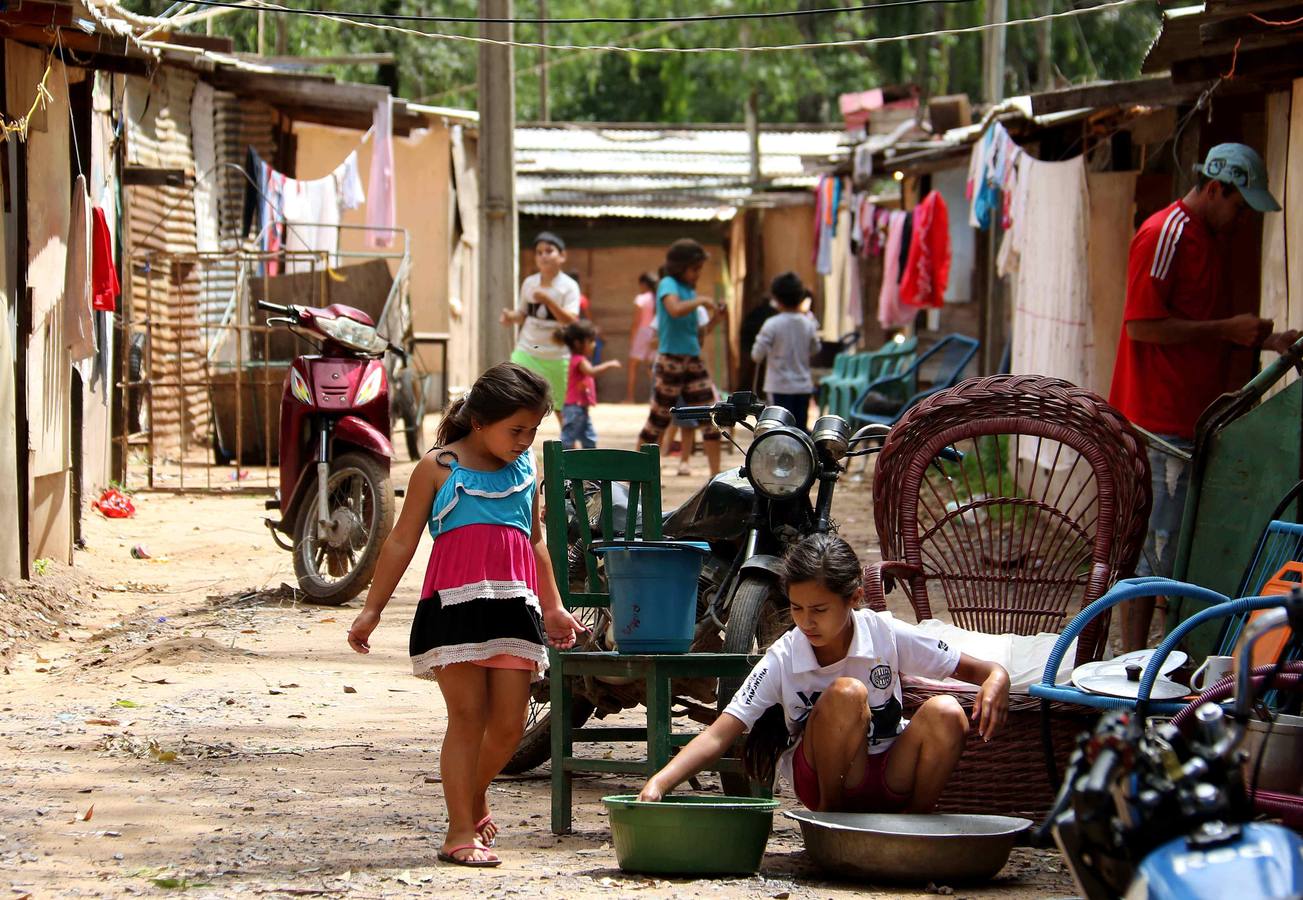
[(653, 588)]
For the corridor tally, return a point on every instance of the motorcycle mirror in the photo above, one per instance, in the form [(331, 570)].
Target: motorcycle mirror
[(870, 431)]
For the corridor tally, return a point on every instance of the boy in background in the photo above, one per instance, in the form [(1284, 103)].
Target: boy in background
[(787, 341)]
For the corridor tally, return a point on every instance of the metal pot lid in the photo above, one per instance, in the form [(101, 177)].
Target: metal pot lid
[(1122, 686), (1117, 667)]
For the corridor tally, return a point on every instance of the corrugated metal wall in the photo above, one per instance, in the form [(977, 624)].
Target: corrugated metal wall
[(238, 123), (161, 220)]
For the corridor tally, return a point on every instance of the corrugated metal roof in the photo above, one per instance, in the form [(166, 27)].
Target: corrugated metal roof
[(645, 210), (689, 174)]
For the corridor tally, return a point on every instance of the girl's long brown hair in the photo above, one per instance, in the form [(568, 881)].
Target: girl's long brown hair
[(498, 393), (831, 562)]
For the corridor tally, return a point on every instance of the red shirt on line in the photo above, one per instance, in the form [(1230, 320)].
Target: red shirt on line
[(1175, 270)]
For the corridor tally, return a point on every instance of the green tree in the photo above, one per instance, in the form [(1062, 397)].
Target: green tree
[(793, 86)]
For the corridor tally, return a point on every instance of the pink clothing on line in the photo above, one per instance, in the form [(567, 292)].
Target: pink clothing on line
[(890, 312), (380, 204)]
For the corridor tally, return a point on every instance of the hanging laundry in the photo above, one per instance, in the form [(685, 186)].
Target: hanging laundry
[(104, 274), (906, 241), (827, 200), (263, 206), (380, 209), (927, 269), (989, 171), (1044, 253), (78, 318), (313, 210), (891, 314)]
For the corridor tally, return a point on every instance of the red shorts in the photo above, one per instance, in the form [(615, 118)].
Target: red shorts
[(870, 795)]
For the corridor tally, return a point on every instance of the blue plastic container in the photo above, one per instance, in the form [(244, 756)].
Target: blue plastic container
[(653, 588)]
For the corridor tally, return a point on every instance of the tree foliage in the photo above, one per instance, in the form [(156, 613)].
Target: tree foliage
[(792, 86)]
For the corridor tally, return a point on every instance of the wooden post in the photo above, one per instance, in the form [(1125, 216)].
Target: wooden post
[(498, 253)]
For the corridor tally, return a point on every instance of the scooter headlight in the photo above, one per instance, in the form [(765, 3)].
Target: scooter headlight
[(351, 334), (780, 462)]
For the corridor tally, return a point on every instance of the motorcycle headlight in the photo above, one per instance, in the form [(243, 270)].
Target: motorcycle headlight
[(780, 462), (352, 334)]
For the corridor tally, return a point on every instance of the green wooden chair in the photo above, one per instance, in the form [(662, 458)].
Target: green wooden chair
[(565, 474)]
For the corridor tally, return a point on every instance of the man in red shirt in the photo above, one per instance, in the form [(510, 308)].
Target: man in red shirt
[(1177, 334)]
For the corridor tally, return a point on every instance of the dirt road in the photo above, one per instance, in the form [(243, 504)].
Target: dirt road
[(191, 727)]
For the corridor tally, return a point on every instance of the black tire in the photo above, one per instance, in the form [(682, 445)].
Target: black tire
[(756, 618), (410, 398), (372, 528), (536, 744)]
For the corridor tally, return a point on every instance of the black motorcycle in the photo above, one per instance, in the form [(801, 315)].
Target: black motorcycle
[(748, 515)]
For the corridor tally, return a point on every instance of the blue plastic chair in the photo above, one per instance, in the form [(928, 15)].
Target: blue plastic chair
[(951, 354), (1048, 691)]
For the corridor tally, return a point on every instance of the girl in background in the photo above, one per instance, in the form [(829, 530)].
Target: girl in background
[(641, 336)]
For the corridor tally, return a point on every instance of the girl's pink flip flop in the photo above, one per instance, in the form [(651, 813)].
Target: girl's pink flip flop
[(482, 826), (450, 856)]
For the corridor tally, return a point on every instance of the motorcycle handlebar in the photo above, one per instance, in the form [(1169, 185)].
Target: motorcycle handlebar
[(273, 307), (694, 413)]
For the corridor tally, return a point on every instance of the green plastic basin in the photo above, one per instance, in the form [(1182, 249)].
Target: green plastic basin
[(690, 835)]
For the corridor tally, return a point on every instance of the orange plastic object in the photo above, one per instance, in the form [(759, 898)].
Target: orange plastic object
[(1270, 645)]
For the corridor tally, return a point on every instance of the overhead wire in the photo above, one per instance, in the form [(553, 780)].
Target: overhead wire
[(588, 20), (617, 48)]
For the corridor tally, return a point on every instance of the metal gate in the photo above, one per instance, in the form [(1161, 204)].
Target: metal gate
[(200, 377)]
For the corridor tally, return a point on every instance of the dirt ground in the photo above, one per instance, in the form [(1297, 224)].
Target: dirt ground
[(184, 725)]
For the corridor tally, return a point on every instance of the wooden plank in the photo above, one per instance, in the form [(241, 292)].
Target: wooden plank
[(1244, 25), (1155, 91), (1279, 64), (606, 767)]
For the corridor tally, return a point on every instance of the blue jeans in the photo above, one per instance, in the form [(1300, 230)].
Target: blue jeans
[(1170, 479), (577, 427)]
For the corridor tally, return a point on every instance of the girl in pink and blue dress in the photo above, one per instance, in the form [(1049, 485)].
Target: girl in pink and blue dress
[(489, 603)]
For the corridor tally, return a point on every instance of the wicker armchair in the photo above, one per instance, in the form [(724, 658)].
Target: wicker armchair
[(1047, 510)]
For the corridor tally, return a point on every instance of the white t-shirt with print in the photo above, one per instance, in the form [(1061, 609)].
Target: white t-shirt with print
[(881, 649), (539, 333)]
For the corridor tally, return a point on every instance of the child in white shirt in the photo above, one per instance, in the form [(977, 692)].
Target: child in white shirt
[(836, 679), (787, 341)]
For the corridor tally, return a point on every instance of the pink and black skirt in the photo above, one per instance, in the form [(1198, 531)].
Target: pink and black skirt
[(479, 603)]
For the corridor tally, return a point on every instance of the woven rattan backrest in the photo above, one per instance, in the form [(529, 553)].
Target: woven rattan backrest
[(1047, 510)]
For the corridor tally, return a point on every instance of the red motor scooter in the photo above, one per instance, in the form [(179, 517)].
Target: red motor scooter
[(336, 498)]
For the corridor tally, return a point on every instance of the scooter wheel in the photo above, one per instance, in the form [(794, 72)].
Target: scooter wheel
[(333, 569)]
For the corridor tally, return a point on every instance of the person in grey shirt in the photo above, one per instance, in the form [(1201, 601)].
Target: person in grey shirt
[(787, 341)]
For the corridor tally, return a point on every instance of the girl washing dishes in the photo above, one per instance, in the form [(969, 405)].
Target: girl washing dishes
[(831, 687)]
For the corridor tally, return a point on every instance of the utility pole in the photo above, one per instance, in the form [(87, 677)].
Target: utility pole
[(498, 253), (997, 13), (543, 113), (752, 111), (1044, 38)]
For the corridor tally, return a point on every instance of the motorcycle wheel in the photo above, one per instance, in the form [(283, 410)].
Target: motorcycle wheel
[(756, 618), (410, 399), (536, 743), (360, 493)]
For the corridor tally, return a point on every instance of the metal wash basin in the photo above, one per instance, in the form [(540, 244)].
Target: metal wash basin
[(909, 848)]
